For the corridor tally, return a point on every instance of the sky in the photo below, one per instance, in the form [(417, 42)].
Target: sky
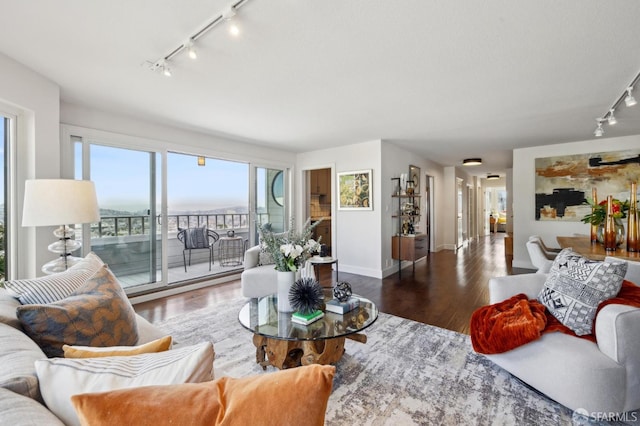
[(122, 180)]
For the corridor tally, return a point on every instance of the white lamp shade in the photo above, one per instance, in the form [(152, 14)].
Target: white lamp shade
[(49, 202)]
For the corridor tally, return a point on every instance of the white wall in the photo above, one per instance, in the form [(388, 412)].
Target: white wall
[(177, 139), (524, 222), (36, 101), (362, 239), (356, 234)]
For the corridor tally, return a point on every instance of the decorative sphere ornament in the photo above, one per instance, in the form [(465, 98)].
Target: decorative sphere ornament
[(305, 295), (342, 291)]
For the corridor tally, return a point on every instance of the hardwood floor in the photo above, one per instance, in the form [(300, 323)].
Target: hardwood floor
[(444, 290)]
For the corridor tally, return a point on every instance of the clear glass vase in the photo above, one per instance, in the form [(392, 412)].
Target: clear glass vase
[(619, 231)]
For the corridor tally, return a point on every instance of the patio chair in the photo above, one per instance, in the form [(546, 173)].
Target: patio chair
[(197, 239)]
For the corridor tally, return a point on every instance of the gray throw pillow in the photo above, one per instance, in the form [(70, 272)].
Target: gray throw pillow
[(196, 238), (576, 286)]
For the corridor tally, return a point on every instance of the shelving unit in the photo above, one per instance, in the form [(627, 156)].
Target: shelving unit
[(407, 245)]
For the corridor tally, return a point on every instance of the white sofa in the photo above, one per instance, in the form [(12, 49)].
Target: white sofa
[(598, 378), (257, 280)]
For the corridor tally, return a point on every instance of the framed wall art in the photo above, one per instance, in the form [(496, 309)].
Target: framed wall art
[(355, 190), (414, 175), (564, 183)]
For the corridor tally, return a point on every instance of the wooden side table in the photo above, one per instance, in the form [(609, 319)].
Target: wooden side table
[(231, 251)]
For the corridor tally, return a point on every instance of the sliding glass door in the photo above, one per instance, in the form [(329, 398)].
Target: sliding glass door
[(206, 193), (154, 201), (128, 237), (270, 200)]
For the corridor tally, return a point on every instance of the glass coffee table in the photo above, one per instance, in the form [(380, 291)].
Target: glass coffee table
[(284, 344)]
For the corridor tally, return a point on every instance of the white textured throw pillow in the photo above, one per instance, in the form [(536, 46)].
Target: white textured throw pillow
[(60, 378), (576, 286), (52, 288)]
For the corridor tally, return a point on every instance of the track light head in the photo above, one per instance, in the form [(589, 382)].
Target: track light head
[(630, 100), (191, 50), (612, 118), (166, 71), (599, 130), (227, 15)]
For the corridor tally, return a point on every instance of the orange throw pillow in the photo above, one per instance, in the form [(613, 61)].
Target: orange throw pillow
[(159, 345), (288, 397)]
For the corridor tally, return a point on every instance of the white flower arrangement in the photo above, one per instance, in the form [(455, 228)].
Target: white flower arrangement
[(291, 250)]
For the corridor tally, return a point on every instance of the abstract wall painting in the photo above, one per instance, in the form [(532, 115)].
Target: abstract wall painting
[(564, 183), (355, 190)]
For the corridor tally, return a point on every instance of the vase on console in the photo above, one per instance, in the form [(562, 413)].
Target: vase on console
[(611, 228), (594, 227), (618, 230), (633, 243)]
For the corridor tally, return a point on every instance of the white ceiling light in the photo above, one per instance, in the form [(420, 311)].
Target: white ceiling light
[(612, 118), (191, 50), (166, 71), (493, 176), (472, 161), (629, 100), (226, 15), (599, 130)]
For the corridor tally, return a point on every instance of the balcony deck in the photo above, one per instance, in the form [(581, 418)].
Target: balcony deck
[(176, 274)]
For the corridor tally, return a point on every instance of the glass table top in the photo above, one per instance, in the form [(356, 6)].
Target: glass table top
[(261, 316)]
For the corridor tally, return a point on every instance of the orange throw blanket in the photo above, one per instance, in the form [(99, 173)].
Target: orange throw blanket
[(506, 325), (516, 321)]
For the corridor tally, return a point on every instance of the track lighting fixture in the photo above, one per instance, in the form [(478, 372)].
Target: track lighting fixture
[(226, 15), (599, 130), (629, 100), (472, 161)]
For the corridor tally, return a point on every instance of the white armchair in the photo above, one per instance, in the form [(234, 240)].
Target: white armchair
[(257, 280), (599, 378)]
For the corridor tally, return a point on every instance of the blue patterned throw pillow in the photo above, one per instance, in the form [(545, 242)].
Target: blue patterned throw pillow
[(97, 314), (576, 286)]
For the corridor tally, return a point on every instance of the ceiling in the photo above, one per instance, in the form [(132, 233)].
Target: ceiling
[(446, 80)]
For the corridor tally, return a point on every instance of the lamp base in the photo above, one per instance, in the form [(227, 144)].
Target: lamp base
[(60, 264), (63, 247)]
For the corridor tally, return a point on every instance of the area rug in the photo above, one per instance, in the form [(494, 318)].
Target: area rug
[(407, 373)]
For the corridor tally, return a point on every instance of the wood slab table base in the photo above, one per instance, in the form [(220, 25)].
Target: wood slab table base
[(295, 353)]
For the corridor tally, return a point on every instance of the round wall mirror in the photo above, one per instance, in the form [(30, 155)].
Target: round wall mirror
[(277, 188)]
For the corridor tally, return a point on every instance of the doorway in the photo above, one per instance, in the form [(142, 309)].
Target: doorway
[(319, 205)]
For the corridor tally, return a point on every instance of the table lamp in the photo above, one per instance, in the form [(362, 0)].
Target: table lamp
[(49, 202)]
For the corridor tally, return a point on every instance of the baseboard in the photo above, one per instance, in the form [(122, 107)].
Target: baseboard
[(171, 291), (374, 273)]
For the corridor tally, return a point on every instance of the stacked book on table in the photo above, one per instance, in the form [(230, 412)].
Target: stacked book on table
[(306, 319), (338, 307)]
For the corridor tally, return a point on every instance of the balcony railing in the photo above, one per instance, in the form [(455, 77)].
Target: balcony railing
[(112, 226)]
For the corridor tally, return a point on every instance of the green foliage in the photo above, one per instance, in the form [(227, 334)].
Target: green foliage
[(291, 249), (599, 211)]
